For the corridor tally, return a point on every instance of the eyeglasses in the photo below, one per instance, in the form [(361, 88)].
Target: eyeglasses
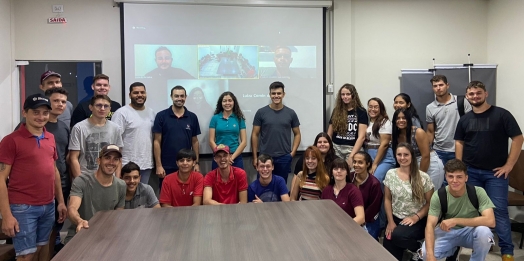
[(281, 55), (100, 106)]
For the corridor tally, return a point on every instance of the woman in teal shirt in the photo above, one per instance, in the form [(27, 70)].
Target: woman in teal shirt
[(228, 127)]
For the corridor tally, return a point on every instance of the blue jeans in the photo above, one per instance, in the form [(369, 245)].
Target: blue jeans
[(479, 239), (35, 223), (445, 156), (282, 166), (237, 162), (388, 162), (435, 170), (144, 175), (497, 190), (373, 228)]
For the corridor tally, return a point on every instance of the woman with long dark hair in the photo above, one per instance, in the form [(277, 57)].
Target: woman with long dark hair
[(403, 101), (427, 158), (370, 189), (407, 194), (312, 179), (228, 127), (343, 192), (348, 123)]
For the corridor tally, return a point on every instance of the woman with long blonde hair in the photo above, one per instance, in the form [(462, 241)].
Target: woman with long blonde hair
[(312, 179), (348, 123)]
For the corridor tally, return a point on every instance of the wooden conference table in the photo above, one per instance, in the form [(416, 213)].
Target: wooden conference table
[(306, 230)]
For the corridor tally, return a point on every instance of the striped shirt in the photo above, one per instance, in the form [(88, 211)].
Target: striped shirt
[(310, 190)]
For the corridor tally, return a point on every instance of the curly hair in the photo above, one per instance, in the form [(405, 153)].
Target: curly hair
[(236, 107), (339, 117)]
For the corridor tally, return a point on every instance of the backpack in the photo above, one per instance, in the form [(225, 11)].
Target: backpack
[(460, 105), (443, 197)]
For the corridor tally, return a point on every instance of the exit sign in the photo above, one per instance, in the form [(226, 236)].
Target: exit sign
[(57, 20)]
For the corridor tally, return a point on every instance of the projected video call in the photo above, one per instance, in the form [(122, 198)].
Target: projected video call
[(227, 61)]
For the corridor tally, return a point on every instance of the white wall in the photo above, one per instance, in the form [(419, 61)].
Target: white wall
[(6, 67), (92, 32), (375, 39), (504, 45)]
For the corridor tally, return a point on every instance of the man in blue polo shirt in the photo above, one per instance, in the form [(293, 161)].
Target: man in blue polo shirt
[(175, 128)]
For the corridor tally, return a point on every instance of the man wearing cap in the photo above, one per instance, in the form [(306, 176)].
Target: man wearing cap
[(51, 79), (27, 206), (100, 86), (90, 135), (225, 184), (96, 192)]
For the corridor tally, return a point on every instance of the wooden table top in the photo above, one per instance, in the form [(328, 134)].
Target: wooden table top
[(306, 230)]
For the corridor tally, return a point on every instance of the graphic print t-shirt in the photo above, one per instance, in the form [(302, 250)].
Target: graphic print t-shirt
[(89, 140), (353, 120)]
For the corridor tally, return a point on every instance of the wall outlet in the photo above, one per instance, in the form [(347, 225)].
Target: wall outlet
[(330, 88)]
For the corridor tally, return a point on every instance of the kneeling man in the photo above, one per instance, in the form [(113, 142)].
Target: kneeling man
[(462, 223), (268, 187), (225, 184), (100, 191)]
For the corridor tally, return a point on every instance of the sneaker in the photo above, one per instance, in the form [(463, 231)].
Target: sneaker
[(507, 258)]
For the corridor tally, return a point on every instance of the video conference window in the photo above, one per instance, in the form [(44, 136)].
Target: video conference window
[(228, 61), (165, 61), (289, 62)]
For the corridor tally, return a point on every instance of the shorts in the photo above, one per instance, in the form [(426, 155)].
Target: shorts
[(35, 223)]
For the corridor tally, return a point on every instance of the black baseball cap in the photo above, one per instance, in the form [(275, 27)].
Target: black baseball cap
[(36, 100)]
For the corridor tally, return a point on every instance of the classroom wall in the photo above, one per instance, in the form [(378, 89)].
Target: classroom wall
[(504, 45), (7, 66), (375, 39), (92, 33)]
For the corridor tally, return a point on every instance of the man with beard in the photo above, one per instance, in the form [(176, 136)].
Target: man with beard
[(481, 141), (100, 86), (175, 128), (95, 192), (164, 59), (267, 188), (136, 121), (442, 116), (225, 184)]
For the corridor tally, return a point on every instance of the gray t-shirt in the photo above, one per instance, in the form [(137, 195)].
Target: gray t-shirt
[(95, 197), (137, 135), (275, 130), (61, 132), (66, 115), (89, 140), (445, 118), (144, 197)]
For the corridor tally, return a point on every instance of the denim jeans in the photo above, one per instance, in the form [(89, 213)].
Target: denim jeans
[(479, 239), (35, 224), (373, 228), (435, 170), (282, 166), (445, 156), (144, 175), (497, 190), (237, 162), (388, 162)]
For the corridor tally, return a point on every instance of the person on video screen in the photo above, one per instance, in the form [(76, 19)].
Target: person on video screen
[(164, 59), (282, 58)]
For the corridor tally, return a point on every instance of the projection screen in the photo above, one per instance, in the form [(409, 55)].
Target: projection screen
[(213, 49)]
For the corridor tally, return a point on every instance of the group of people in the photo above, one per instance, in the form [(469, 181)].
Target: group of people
[(381, 172)]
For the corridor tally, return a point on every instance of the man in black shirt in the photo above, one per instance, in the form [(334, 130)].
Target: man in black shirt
[(100, 86), (481, 141)]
